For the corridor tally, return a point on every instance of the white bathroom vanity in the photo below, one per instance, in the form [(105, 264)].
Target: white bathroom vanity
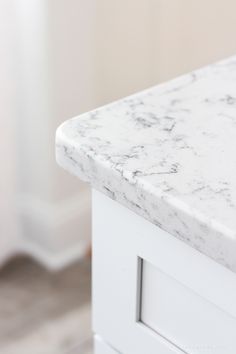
[(162, 165)]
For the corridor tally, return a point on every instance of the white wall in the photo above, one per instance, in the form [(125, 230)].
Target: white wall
[(57, 64), (53, 48), (142, 42)]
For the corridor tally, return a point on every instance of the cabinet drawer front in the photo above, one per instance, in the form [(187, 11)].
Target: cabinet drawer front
[(182, 316), (154, 294)]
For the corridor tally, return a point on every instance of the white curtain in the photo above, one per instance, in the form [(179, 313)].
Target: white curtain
[(9, 230)]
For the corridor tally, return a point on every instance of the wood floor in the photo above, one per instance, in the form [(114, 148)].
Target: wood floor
[(43, 312)]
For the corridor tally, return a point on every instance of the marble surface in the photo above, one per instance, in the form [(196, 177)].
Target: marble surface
[(169, 154)]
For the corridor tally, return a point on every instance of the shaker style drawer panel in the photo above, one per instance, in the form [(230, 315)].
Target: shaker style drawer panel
[(180, 315), (160, 296)]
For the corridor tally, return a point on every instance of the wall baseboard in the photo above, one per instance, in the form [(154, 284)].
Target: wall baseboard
[(55, 234), (55, 261)]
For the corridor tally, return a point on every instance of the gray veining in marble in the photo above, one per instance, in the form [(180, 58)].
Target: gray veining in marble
[(169, 154)]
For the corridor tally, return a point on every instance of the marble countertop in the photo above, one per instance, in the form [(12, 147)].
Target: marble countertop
[(169, 154)]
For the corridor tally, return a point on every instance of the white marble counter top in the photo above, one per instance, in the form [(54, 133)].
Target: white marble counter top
[(169, 154)]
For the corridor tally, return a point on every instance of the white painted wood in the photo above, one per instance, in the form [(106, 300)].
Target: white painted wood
[(115, 283), (178, 313), (120, 238), (100, 347)]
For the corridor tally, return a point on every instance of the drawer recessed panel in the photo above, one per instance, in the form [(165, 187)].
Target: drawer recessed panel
[(182, 316)]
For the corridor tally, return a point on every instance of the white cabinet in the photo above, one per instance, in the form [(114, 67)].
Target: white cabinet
[(153, 293)]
